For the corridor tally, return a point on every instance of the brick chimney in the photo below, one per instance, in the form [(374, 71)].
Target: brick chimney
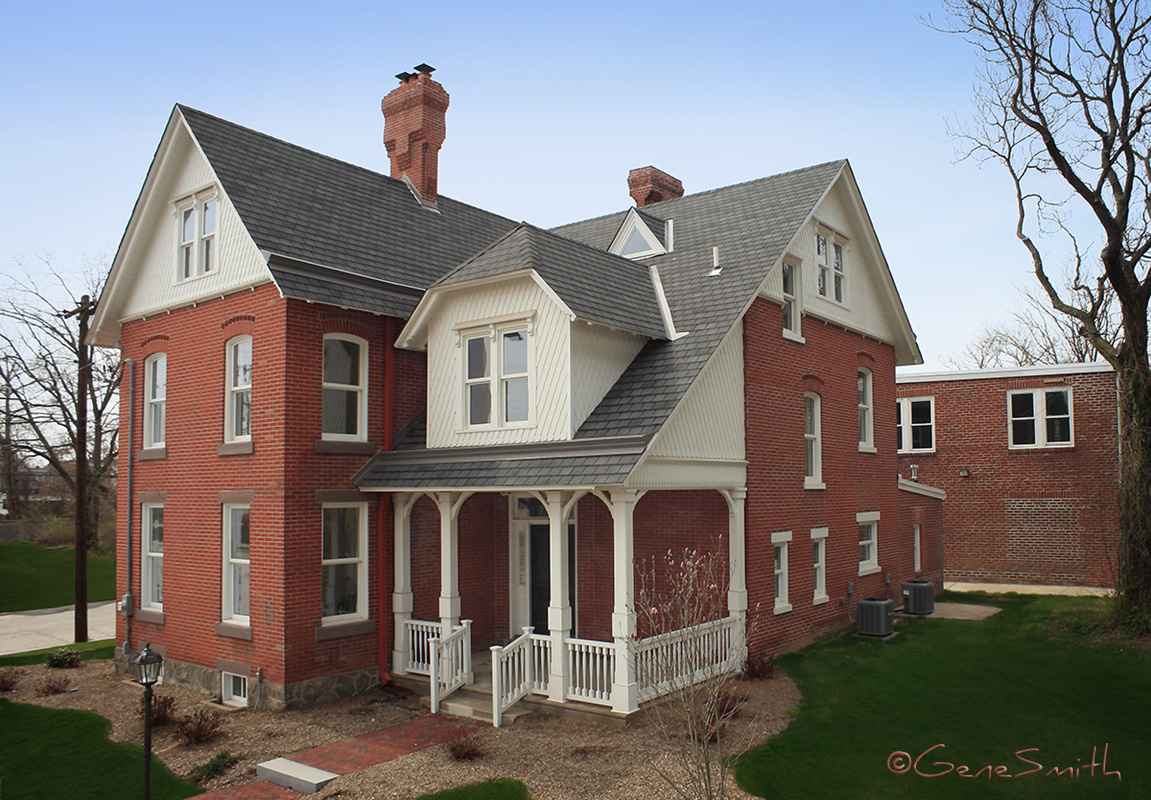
[(414, 129), (649, 185)]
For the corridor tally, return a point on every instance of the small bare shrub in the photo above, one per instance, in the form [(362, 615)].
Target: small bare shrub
[(9, 678), (64, 658), (759, 666), (466, 748), (163, 710), (202, 725), (53, 684)]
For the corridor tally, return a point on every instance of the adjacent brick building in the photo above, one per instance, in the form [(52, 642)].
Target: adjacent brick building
[(1029, 460)]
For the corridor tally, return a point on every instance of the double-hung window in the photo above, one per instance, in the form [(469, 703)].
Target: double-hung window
[(866, 419), (1039, 418), (344, 562), (831, 274), (237, 563), (780, 542), (819, 566), (915, 424), (345, 386), (152, 561), (812, 445), (868, 522), (238, 390), (821, 264), (837, 275), (497, 390), (155, 399), (792, 312), (198, 221)]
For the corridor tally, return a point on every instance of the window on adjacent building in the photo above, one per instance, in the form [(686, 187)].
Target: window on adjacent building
[(915, 424), (868, 542), (819, 565), (780, 543), (1039, 417), (234, 690), (345, 381), (152, 562), (497, 391), (155, 399), (812, 447), (197, 218), (791, 309), (344, 571), (238, 390), (237, 563), (866, 423)]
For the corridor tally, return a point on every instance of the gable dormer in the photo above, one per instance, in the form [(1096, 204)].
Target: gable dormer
[(642, 235)]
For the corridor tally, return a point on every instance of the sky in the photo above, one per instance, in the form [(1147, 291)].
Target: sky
[(551, 104)]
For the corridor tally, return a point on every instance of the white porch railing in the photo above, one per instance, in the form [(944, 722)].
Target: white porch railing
[(513, 673), (419, 635), (451, 664), (541, 662), (592, 670), (669, 661)]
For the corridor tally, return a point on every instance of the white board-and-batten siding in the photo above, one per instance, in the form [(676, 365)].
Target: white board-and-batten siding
[(154, 260)]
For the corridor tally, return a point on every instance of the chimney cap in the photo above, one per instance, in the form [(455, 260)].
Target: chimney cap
[(424, 69), (404, 76)]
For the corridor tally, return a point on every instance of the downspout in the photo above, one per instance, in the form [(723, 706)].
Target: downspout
[(382, 639), (128, 601)]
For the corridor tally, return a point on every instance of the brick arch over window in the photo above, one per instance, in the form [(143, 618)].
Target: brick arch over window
[(157, 343), (864, 359), (346, 324), (239, 325), (812, 383)]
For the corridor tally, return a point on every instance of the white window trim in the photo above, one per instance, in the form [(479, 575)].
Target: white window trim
[(226, 695), (782, 540), (361, 434), (150, 441), (495, 378), (819, 579), (148, 559), (230, 390), (196, 202), (870, 518), (867, 443), (916, 543), (904, 424), (794, 333), (230, 563), (1039, 404), (361, 560), (815, 480)]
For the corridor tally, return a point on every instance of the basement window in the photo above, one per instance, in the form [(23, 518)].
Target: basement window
[(234, 690)]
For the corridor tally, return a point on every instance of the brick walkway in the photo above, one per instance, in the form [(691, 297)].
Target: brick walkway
[(353, 755)]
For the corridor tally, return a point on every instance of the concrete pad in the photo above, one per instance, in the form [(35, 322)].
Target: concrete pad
[(21, 631), (293, 775), (963, 611), (1019, 588)]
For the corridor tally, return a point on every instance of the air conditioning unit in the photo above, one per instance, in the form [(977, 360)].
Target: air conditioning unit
[(918, 597), (876, 617)]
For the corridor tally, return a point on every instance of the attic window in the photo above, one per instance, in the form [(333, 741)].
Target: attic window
[(636, 244), (197, 223), (635, 239)]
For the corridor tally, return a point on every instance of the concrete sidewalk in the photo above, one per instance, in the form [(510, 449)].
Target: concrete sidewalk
[(21, 631)]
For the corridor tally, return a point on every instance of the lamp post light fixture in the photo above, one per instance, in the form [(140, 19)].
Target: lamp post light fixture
[(147, 665)]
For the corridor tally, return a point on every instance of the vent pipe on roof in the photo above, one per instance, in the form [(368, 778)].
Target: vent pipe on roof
[(415, 129)]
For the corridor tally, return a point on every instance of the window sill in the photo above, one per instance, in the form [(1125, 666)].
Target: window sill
[(867, 448), (235, 449), (810, 483), (346, 448), (793, 336), (340, 630), (868, 569), (909, 453), (234, 630), (783, 608), (152, 454), (1031, 447), (149, 615), (820, 600)]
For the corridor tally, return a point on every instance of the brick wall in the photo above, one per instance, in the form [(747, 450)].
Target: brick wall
[(1033, 516)]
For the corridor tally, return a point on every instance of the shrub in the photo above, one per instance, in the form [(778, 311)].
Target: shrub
[(53, 684), (9, 678), (214, 768), (64, 658), (466, 748), (202, 725), (163, 710), (759, 666)]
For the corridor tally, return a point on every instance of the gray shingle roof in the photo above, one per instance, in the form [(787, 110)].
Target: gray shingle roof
[(314, 209), (597, 286)]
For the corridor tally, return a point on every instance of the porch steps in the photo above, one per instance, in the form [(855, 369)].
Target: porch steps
[(294, 775), (474, 705)]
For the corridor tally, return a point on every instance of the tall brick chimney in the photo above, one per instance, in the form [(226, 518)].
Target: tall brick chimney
[(650, 185), (414, 129)]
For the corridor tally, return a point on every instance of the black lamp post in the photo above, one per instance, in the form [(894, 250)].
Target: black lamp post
[(148, 665)]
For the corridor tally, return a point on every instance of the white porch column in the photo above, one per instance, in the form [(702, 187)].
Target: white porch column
[(559, 609), (402, 581), (449, 504), (737, 563), (625, 691)]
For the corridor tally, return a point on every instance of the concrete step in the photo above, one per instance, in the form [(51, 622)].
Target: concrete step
[(478, 707), (293, 775)]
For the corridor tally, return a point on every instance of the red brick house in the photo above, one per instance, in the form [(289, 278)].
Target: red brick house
[(373, 429), (1029, 460)]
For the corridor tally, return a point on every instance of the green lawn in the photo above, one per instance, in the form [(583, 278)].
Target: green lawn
[(491, 790), (36, 577), (100, 649), (48, 753), (1015, 691)]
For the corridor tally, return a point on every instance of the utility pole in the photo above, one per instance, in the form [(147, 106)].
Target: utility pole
[(83, 312)]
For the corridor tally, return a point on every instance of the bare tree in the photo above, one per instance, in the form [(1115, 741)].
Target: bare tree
[(1063, 103), (39, 377)]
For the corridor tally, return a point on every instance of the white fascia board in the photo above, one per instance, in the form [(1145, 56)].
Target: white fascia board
[(905, 485), (1004, 372)]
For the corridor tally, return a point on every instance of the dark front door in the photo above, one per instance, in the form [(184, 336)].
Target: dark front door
[(541, 575)]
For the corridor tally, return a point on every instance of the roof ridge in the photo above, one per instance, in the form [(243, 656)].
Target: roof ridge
[(489, 248)]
